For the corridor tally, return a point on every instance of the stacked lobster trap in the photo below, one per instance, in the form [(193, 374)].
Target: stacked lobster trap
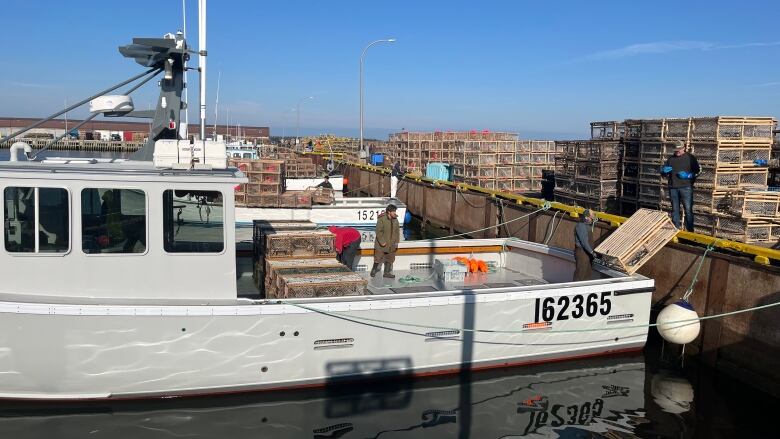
[(266, 187), (292, 260), (730, 193), (586, 173)]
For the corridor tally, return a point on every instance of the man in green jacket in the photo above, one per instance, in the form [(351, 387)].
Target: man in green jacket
[(386, 243)]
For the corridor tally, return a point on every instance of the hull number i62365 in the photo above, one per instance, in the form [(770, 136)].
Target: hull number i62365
[(368, 215), (579, 305)]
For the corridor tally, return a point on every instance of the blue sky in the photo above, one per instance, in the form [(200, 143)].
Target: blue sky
[(542, 69)]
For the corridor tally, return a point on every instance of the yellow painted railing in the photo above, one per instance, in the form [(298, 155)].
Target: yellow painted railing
[(760, 255)]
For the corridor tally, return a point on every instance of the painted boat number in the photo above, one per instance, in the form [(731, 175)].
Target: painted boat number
[(368, 215), (575, 306)]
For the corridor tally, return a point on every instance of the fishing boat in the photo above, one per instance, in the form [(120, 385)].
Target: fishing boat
[(116, 287)]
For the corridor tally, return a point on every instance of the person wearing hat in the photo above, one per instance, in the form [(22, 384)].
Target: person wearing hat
[(681, 168), (325, 183), (386, 243), (583, 251)]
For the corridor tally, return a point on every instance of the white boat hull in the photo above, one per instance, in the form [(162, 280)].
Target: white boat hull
[(355, 212), (107, 351)]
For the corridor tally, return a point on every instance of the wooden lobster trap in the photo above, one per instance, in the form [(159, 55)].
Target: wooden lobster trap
[(637, 240), (323, 285), (733, 129), (294, 244), (609, 130), (597, 170)]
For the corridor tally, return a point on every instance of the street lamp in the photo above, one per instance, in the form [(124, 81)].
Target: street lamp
[(362, 55), (298, 115)]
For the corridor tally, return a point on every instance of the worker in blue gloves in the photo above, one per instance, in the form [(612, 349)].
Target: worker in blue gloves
[(681, 168)]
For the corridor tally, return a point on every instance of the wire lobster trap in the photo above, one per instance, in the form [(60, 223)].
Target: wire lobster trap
[(310, 244), (324, 285), (597, 170), (733, 129)]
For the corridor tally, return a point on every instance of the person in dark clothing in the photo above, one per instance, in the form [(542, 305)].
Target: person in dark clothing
[(395, 174), (682, 169), (583, 252), (347, 244), (326, 183), (386, 241)]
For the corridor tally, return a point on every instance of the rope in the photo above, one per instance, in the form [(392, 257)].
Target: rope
[(689, 291), (685, 322), (545, 207), (551, 227)]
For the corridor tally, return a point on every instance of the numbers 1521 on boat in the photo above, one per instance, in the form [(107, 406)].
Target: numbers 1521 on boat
[(549, 309), (368, 215)]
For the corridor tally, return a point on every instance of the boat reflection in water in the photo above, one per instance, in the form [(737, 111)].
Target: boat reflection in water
[(602, 397)]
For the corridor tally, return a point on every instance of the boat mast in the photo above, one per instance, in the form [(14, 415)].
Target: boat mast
[(184, 128), (202, 67), (216, 104)]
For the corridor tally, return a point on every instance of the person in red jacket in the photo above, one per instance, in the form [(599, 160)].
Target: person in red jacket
[(347, 244)]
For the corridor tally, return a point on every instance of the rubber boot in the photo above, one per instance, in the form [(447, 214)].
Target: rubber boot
[(388, 271), (374, 270)]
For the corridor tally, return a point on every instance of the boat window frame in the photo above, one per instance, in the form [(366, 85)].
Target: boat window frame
[(224, 229), (37, 220), (146, 222)]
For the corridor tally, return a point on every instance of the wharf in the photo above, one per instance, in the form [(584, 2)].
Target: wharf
[(734, 276)]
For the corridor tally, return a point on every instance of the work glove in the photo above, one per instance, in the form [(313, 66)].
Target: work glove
[(685, 175), (666, 169), (760, 162)]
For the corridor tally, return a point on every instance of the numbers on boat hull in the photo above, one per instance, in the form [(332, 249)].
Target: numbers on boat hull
[(550, 309), (368, 215)]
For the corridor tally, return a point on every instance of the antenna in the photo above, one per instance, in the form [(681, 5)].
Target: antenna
[(184, 127), (202, 65), (216, 104)]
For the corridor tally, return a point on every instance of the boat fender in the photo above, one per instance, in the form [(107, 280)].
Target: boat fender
[(678, 333)]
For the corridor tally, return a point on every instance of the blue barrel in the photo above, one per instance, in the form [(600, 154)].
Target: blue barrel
[(377, 159)]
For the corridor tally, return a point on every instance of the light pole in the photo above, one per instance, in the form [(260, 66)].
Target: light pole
[(363, 153), (298, 116)]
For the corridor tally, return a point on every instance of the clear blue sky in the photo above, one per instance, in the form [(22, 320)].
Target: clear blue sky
[(543, 69)]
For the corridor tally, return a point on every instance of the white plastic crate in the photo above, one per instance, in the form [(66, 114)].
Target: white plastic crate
[(450, 271)]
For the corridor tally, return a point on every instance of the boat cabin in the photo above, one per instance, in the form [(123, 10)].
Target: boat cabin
[(110, 229)]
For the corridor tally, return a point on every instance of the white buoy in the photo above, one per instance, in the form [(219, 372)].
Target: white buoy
[(678, 333), (674, 394)]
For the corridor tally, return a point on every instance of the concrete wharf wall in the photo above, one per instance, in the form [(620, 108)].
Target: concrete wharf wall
[(746, 346)]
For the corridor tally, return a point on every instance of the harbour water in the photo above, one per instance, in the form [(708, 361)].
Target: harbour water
[(644, 395), (611, 397)]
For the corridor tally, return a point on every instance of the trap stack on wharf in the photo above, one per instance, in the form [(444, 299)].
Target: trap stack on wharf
[(731, 198), (493, 160)]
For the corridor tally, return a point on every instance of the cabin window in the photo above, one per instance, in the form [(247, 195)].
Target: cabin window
[(247, 155), (37, 220), (113, 220), (193, 221)]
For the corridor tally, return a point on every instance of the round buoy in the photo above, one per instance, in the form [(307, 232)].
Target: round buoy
[(407, 217), (674, 394), (678, 333)]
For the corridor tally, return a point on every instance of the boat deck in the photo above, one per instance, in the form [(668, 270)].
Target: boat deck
[(425, 280), (409, 281)]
